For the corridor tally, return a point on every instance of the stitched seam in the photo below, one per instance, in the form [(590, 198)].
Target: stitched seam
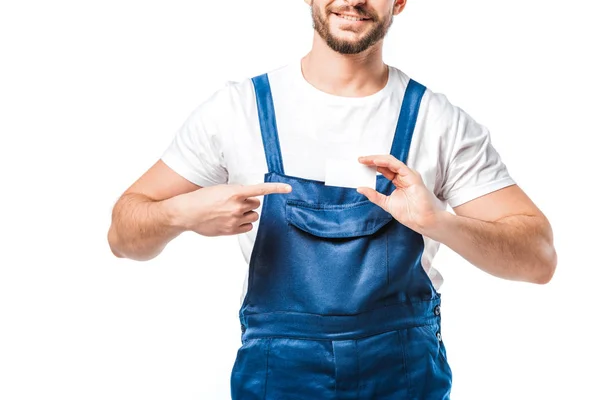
[(408, 382), (335, 370), (358, 380), (350, 315), (334, 235), (267, 368), (325, 207), (357, 337)]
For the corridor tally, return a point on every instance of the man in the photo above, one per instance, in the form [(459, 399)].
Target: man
[(341, 299)]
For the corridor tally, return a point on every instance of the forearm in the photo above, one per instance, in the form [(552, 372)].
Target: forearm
[(517, 247), (141, 227)]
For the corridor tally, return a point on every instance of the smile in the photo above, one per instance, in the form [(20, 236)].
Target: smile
[(351, 17)]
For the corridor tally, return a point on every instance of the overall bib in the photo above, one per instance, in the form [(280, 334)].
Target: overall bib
[(338, 305)]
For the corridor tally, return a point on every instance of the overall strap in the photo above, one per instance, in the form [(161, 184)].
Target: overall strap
[(407, 120), (268, 124)]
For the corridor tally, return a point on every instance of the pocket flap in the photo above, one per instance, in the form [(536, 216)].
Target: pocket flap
[(337, 220)]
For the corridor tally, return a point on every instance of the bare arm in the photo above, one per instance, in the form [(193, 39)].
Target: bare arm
[(162, 204), (143, 219), (502, 233)]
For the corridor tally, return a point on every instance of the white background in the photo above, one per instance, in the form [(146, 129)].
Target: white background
[(92, 92)]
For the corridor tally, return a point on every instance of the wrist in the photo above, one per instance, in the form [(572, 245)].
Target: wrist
[(439, 225), (172, 214)]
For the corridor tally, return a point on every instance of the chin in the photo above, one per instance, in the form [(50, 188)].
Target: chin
[(347, 36)]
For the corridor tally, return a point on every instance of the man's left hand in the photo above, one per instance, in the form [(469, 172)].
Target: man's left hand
[(411, 204)]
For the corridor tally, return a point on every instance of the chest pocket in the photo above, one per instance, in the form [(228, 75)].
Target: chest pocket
[(338, 255), (337, 220)]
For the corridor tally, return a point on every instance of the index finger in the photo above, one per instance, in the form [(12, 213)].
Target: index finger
[(386, 160), (261, 189)]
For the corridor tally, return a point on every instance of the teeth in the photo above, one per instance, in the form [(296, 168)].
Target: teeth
[(349, 18)]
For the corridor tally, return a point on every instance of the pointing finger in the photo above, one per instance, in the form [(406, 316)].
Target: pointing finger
[(262, 189)]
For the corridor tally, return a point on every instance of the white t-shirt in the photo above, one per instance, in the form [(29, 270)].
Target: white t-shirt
[(220, 142)]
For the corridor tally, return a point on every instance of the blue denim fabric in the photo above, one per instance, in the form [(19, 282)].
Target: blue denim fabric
[(338, 305)]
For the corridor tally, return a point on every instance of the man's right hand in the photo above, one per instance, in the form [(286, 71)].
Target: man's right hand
[(221, 209)]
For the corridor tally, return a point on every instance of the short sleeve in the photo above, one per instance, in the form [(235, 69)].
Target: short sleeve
[(470, 165), (196, 151)]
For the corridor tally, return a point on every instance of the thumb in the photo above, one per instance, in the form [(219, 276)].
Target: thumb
[(374, 196)]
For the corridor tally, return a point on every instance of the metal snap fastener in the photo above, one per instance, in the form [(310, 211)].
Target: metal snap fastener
[(436, 310), (439, 336)]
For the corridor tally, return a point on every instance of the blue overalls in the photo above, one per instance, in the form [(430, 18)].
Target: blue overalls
[(338, 305)]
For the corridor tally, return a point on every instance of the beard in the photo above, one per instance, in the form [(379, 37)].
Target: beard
[(376, 32)]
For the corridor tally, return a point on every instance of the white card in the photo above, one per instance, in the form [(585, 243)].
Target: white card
[(348, 172)]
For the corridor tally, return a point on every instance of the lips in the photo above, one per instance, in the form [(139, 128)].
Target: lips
[(351, 18)]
